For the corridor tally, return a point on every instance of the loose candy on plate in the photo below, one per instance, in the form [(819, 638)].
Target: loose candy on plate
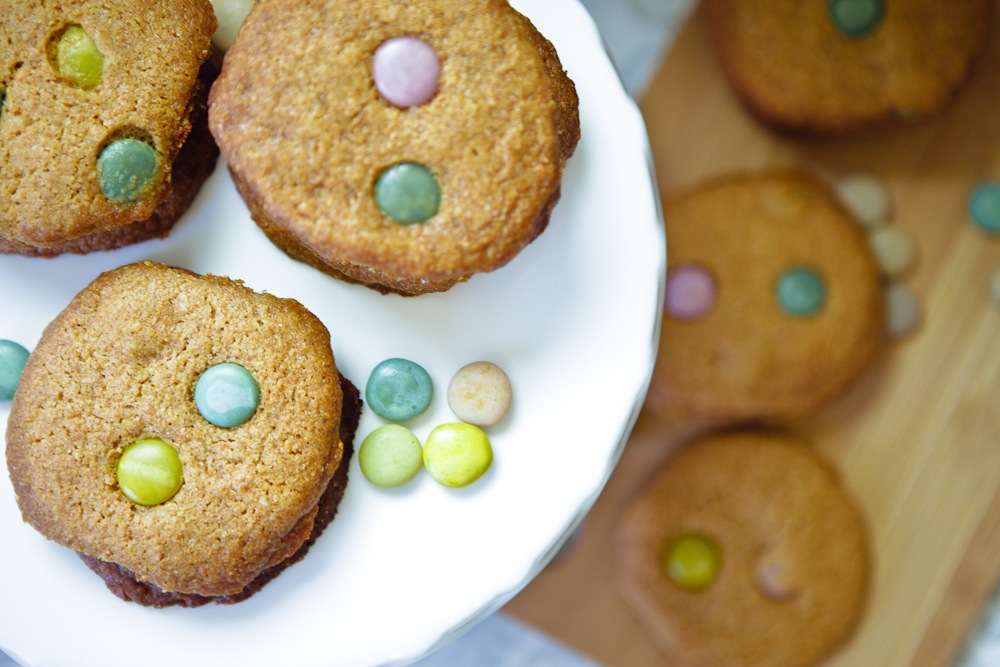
[(390, 456), (480, 393), (13, 357), (457, 454), (399, 389)]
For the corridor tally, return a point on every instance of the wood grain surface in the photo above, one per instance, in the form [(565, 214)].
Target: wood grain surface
[(918, 438)]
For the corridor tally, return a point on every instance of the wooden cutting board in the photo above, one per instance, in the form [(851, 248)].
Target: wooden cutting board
[(918, 439)]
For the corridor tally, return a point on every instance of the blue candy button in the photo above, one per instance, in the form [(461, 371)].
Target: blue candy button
[(226, 395)]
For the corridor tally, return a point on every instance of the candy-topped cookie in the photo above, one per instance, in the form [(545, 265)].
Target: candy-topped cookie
[(103, 121), (188, 437), (403, 146), (834, 66), (745, 550), (773, 301)]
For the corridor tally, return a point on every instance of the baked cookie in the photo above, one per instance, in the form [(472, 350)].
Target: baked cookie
[(103, 119), (773, 301), (403, 146), (182, 431), (833, 66), (745, 550)]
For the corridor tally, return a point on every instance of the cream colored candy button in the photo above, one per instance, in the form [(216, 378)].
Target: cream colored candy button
[(230, 14), (480, 393), (866, 197), (902, 310), (895, 250)]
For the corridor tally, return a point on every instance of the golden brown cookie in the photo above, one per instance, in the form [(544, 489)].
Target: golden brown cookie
[(745, 551), (103, 119), (120, 364), (773, 301), (403, 192), (833, 66)]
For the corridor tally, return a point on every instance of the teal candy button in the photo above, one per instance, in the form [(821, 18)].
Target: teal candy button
[(13, 357), (125, 170), (399, 389), (856, 18), (984, 207), (407, 193), (801, 291), (226, 395)]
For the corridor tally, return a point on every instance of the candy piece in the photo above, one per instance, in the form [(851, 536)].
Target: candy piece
[(399, 389), (895, 251), (457, 454), (692, 561), (902, 310), (406, 71), (149, 471), (690, 292), (480, 393), (125, 169), (801, 291), (867, 198), (230, 14), (390, 456), (407, 193), (774, 578), (984, 207), (226, 395), (79, 61), (856, 18), (13, 357)]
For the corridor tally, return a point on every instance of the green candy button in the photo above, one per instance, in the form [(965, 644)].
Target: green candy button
[(856, 18), (390, 456), (407, 193), (149, 471), (692, 561), (78, 59), (801, 291), (13, 357), (125, 169), (457, 454)]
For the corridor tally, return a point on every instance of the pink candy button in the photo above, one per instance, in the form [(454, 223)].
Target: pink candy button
[(406, 71), (690, 292)]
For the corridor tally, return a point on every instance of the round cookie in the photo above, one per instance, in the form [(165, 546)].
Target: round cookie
[(120, 364), (782, 575), (103, 119), (773, 302), (835, 66), (404, 186)]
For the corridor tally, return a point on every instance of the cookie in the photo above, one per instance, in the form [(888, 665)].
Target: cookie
[(745, 550), (833, 67), (149, 358), (401, 146), (102, 118), (773, 303)]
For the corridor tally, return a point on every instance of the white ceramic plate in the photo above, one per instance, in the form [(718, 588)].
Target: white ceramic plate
[(574, 322)]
